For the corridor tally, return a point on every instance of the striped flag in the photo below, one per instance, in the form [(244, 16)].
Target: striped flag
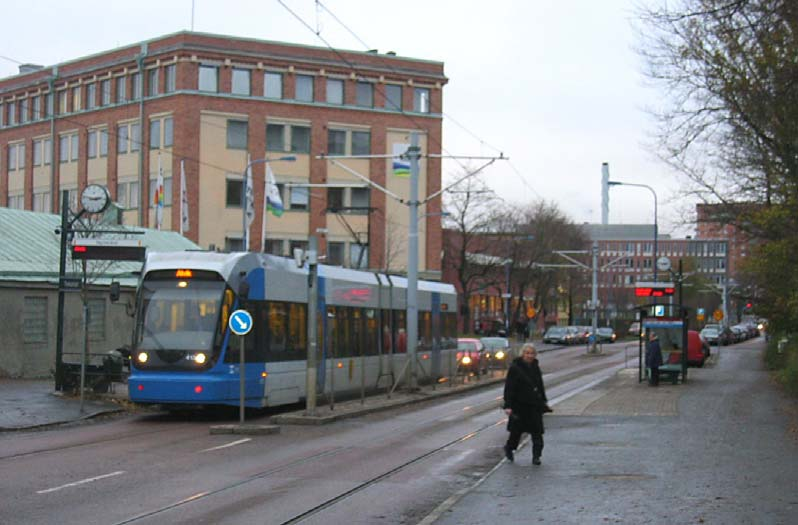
[(158, 201), (184, 224), (401, 166)]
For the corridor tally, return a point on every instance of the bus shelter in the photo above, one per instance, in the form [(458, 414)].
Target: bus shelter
[(670, 323)]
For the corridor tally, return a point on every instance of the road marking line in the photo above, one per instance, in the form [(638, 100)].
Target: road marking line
[(81, 482), (234, 443)]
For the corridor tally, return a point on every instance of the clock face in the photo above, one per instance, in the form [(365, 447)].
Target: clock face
[(94, 198)]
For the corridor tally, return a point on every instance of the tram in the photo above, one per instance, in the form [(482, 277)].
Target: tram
[(183, 352)]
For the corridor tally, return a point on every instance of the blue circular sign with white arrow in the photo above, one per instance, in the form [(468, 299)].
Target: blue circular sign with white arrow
[(240, 322)]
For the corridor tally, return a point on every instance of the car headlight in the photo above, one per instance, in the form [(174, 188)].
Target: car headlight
[(466, 360), (760, 326), (499, 355), (200, 358), (142, 357)]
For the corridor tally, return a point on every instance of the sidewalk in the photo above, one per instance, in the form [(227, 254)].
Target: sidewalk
[(27, 404), (715, 450)]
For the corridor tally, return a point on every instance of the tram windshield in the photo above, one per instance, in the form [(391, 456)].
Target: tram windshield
[(179, 314)]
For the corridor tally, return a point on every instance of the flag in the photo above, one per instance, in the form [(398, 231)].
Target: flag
[(184, 224), (158, 201), (274, 203), (401, 167), (249, 203)]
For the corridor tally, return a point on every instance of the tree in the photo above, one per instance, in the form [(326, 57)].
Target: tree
[(470, 217), (730, 120)]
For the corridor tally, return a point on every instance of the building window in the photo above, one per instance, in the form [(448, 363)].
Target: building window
[(170, 76), (358, 256), (359, 198), (41, 201), (299, 198), (62, 102), (63, 148), (168, 132), (16, 202), (335, 199), (393, 97), (152, 82), (304, 88), (121, 90), (273, 246), (421, 100), (233, 244), (37, 152), (155, 134), (91, 96), (127, 194), (136, 89), (336, 142), (74, 147), (92, 138), (300, 139), (103, 142), (96, 326), (36, 113), (275, 137), (361, 142), (2, 115), (135, 137), (23, 111), (48, 155), (105, 92), (34, 320), (335, 253), (335, 91), (364, 95), (237, 134), (209, 79), (293, 245), (122, 139), (12, 114), (241, 85), (233, 193), (48, 105), (272, 85)]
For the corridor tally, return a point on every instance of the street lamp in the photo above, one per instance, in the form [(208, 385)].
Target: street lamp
[(245, 207), (654, 193)]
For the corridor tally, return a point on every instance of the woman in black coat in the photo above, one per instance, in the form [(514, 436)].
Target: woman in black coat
[(525, 402)]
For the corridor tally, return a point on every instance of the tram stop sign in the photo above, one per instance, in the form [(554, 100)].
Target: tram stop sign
[(240, 322)]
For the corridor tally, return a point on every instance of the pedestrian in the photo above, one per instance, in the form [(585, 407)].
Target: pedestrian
[(653, 358), (525, 403)]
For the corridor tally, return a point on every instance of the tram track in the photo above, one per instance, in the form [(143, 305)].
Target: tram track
[(562, 383)]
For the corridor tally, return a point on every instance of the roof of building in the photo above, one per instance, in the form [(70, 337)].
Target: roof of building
[(31, 248)]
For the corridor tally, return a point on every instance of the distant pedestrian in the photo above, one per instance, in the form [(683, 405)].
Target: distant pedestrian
[(525, 403), (653, 358)]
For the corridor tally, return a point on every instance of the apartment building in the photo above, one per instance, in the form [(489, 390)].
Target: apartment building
[(208, 105)]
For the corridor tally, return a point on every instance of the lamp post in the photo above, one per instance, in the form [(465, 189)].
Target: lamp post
[(245, 207), (654, 193)]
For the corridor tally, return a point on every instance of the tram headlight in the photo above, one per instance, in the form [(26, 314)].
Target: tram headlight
[(200, 358), (466, 360), (142, 357), (500, 354)]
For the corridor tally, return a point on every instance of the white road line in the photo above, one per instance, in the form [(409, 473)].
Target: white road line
[(234, 443), (81, 482)]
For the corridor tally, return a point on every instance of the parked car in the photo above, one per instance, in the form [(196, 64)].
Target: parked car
[(557, 335), (497, 351), (606, 334), (471, 355), (634, 329), (576, 335), (717, 335)]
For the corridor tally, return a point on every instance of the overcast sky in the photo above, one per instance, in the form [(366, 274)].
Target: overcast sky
[(553, 84)]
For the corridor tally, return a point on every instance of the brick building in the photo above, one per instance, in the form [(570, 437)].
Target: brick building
[(209, 103)]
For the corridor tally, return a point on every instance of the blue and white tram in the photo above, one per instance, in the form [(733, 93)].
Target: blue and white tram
[(184, 354)]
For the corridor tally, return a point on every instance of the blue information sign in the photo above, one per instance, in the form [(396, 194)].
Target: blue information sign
[(240, 322)]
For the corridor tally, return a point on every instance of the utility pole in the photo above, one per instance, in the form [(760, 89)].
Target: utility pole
[(412, 261), (313, 295), (594, 297)]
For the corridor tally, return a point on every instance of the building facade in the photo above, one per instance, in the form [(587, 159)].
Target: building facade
[(207, 105)]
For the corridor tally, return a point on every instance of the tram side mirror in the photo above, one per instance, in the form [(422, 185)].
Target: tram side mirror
[(243, 289), (114, 291)]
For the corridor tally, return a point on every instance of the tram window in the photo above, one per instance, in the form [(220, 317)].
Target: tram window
[(425, 330), (399, 332), (370, 331)]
